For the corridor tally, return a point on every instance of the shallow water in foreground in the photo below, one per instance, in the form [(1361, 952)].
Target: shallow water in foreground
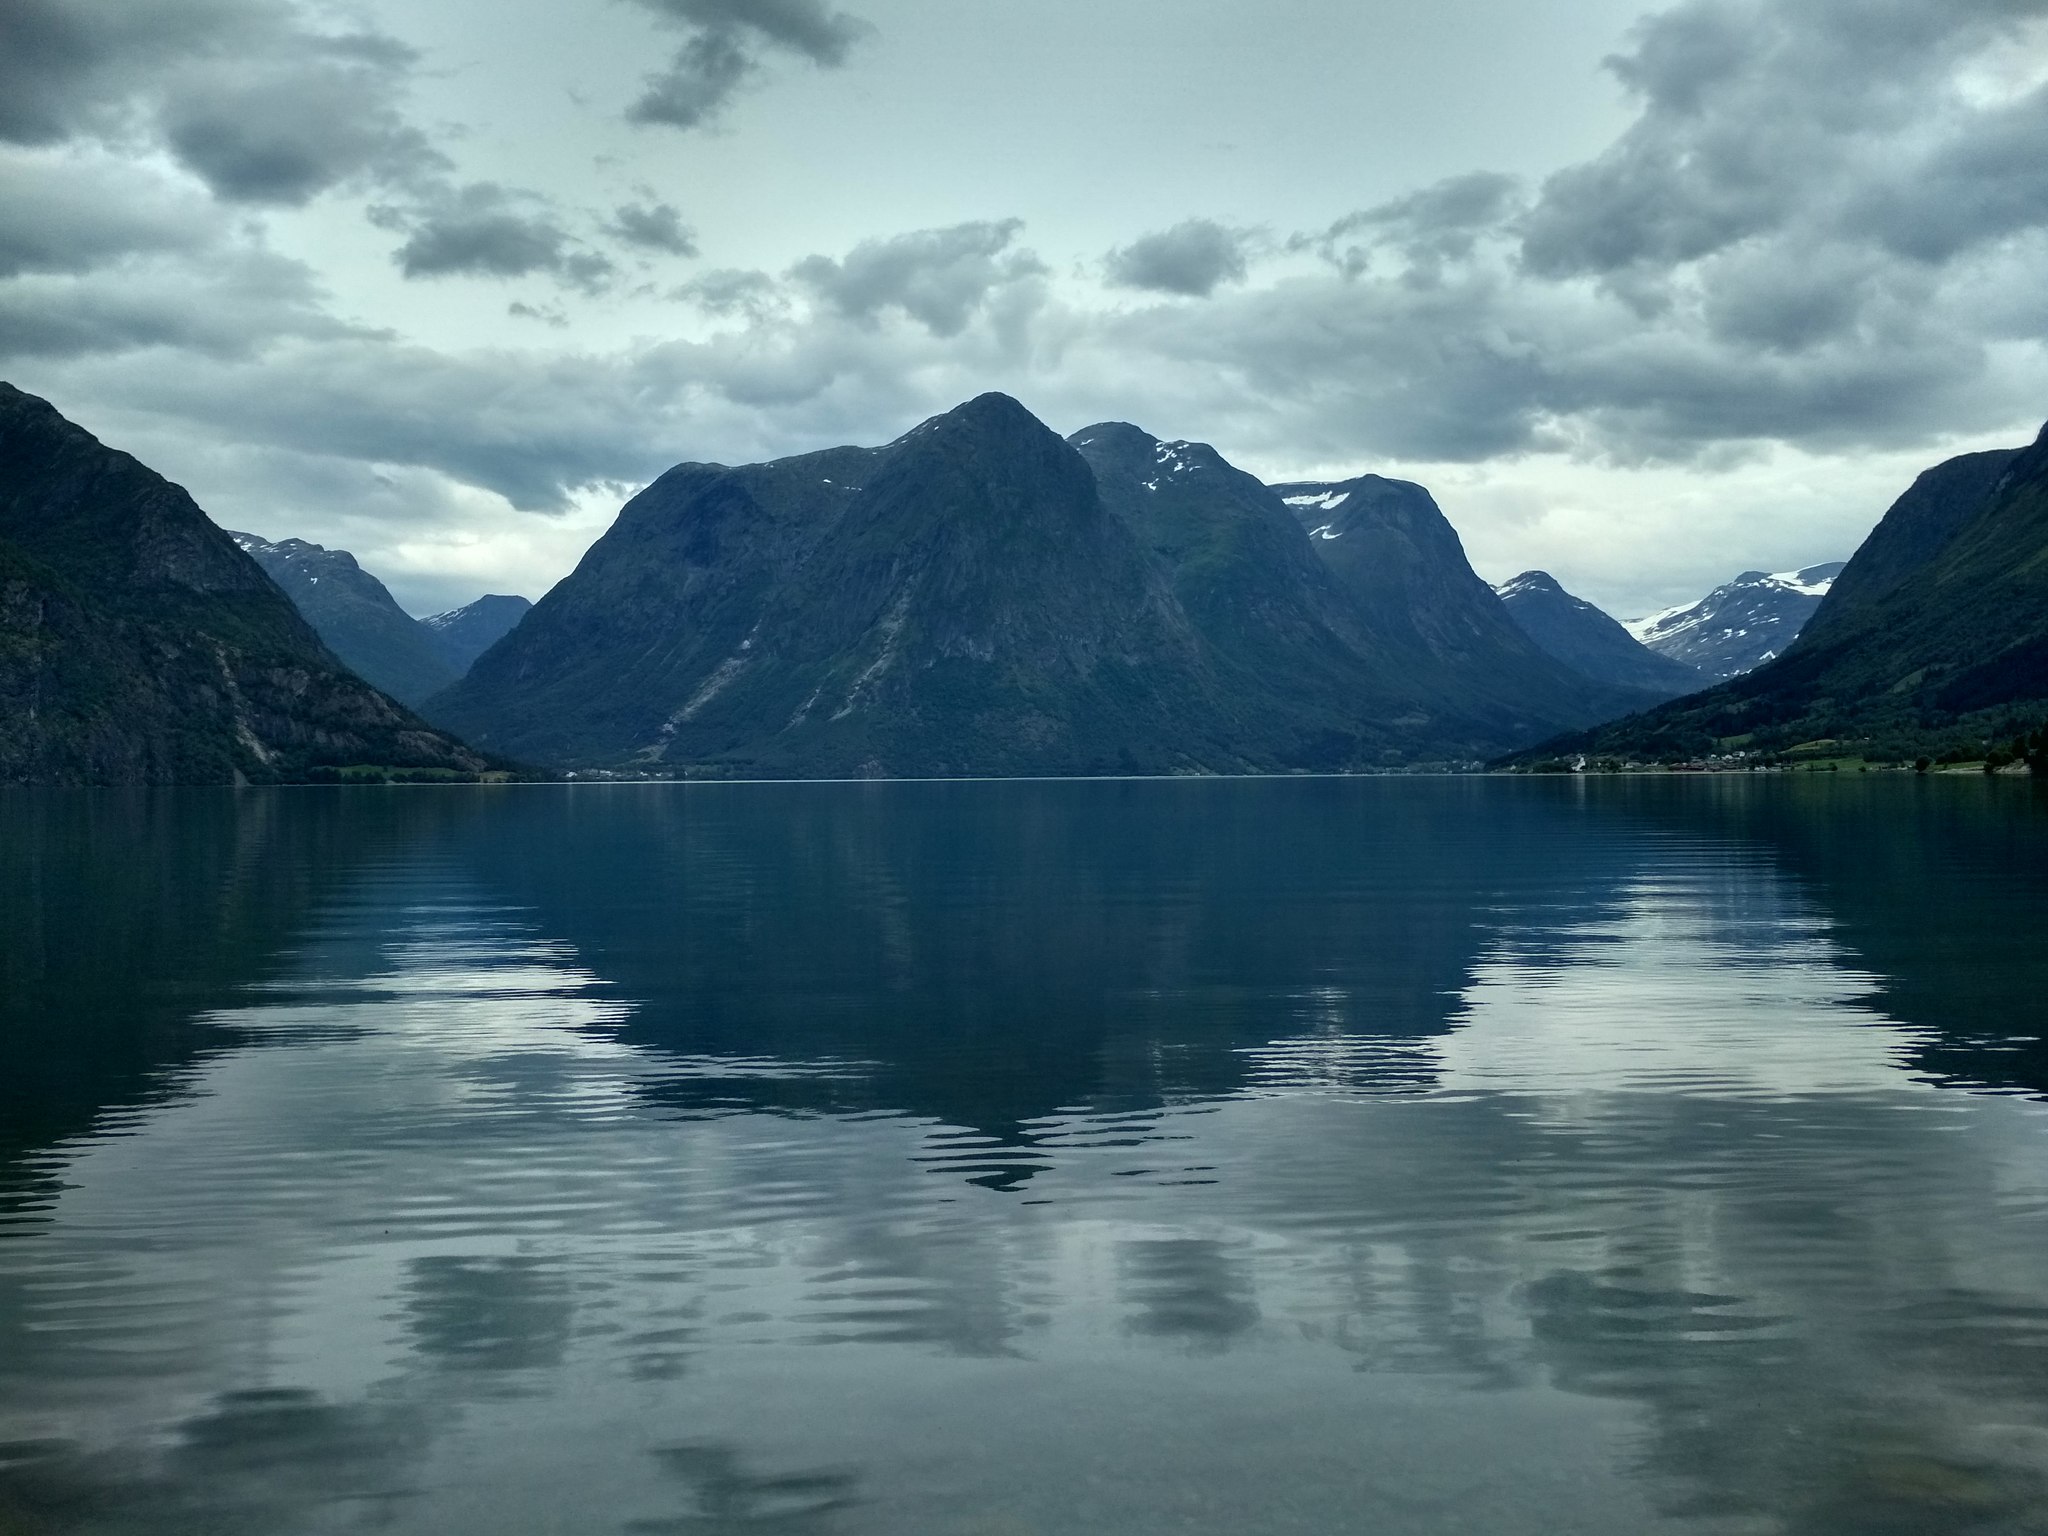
[(1220, 1157)]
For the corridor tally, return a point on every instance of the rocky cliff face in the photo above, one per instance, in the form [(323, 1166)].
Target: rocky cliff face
[(139, 645)]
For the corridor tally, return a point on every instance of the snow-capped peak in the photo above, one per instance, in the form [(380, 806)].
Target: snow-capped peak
[(1809, 582), (1327, 501), (1654, 624), (1528, 581), (1741, 624)]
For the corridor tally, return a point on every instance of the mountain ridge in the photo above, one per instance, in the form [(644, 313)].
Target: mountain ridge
[(356, 615), (1935, 639), (1741, 624), (1593, 642), (140, 645), (981, 596), (463, 634)]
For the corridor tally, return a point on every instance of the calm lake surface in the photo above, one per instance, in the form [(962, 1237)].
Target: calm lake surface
[(1222, 1157)]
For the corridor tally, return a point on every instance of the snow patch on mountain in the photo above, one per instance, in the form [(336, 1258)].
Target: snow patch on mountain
[(1327, 501), (1739, 626)]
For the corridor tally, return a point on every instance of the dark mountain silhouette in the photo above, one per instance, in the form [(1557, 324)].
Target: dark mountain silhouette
[(1935, 638), (1919, 526), (1397, 557), (465, 633), (360, 621), (1590, 641), (980, 597), (139, 645)]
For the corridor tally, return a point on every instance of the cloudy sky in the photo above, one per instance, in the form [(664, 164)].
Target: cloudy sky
[(1647, 297)]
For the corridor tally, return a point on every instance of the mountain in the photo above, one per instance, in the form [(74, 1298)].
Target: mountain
[(1935, 638), (1395, 555), (1920, 524), (1738, 627), (351, 610), (978, 597), (139, 645), (1589, 641), (463, 634)]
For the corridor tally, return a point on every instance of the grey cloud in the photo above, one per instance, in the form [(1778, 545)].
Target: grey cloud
[(729, 292), (241, 355), (1852, 311), (654, 227), (1755, 258), (807, 27), (1441, 223), (234, 305), (1772, 301), (1345, 367), (1984, 182), (531, 429), (245, 94), (1686, 52), (65, 63), (939, 277), (1192, 259), (705, 74), (721, 51), (549, 315), (1485, 363), (43, 49), (288, 132), (1756, 114), (486, 230), (63, 213)]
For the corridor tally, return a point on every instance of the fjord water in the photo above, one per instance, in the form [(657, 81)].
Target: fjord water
[(1398, 1155)]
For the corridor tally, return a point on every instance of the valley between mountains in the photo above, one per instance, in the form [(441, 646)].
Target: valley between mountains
[(979, 597)]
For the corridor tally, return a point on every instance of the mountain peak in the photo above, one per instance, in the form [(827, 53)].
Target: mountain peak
[(182, 661), (991, 598), (1741, 624), (993, 412), (1591, 642), (1115, 436), (1934, 637), (1530, 581), (1152, 461), (13, 399)]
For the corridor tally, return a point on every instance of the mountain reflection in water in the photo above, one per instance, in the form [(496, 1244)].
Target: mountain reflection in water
[(1216, 1156)]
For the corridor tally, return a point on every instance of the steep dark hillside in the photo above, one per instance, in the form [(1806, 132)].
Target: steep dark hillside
[(1943, 644), (956, 602), (351, 610), (139, 645), (1589, 641), (1394, 551), (1269, 614), (973, 598), (465, 633), (1398, 559), (1918, 527)]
